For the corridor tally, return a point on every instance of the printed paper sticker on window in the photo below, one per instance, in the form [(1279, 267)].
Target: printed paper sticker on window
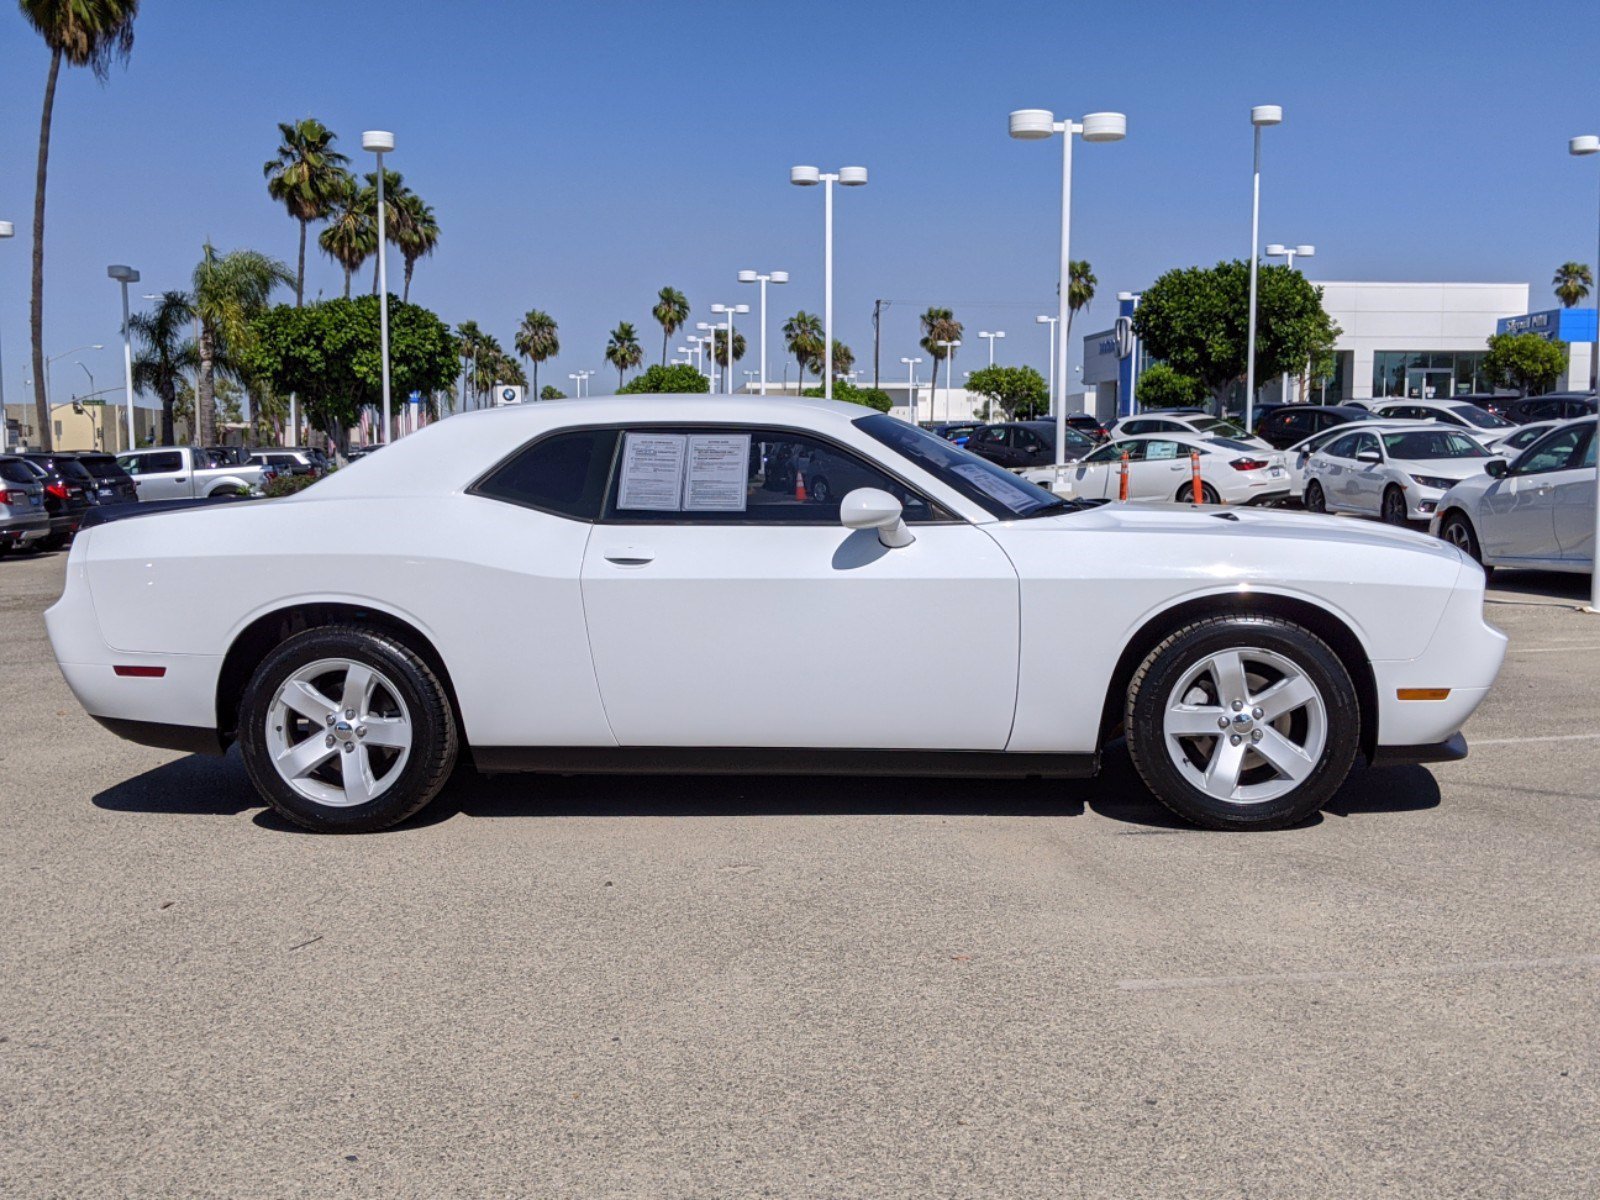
[(652, 471), (718, 472)]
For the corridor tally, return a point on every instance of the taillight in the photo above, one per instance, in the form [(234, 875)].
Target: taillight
[(1248, 464), (58, 490), (14, 496)]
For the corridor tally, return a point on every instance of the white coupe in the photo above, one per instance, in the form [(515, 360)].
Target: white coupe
[(627, 584)]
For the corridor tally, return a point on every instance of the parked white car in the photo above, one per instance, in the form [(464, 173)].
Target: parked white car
[(1160, 468), (606, 584), (1483, 425), (1515, 440), (182, 473), (1398, 474), (1298, 456), (1538, 513), (1183, 422)]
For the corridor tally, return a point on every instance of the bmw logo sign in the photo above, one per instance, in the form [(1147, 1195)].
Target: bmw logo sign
[(508, 394)]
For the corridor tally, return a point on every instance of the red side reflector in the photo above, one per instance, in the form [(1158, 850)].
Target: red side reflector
[(128, 672)]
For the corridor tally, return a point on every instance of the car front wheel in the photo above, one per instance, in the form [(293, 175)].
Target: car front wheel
[(1458, 531), (1243, 722), (345, 730)]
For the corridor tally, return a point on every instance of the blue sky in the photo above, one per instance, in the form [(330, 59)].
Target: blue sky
[(581, 155)]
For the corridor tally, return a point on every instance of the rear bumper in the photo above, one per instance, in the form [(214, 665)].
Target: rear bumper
[(18, 530)]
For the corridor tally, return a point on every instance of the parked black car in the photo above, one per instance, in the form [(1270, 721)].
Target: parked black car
[(1492, 402), (959, 432), (1557, 406), (69, 490), (1089, 426), (112, 485), (1293, 423), (1026, 444)]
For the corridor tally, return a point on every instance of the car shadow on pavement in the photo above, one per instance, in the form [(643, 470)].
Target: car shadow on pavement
[(1558, 586), (199, 785)]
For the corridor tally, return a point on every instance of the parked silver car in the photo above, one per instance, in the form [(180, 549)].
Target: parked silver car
[(23, 519)]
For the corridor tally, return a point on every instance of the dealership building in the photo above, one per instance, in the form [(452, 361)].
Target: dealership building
[(1396, 339)]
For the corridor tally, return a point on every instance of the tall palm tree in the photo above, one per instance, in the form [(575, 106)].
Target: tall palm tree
[(938, 325), (229, 290), (417, 235), (844, 359), (470, 341), (166, 353), (1572, 282), (622, 349), (351, 235), (396, 214), (670, 312), (487, 364), (307, 177), (802, 335), (87, 33), (537, 339), (1080, 289), (720, 346)]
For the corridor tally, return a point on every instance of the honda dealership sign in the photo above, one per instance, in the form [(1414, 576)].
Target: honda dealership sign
[(1124, 336)]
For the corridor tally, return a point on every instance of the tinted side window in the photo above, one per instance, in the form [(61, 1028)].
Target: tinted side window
[(563, 474), (14, 472), (1553, 453), (1342, 447)]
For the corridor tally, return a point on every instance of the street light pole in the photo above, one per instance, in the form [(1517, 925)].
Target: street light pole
[(1261, 115), (763, 280), (911, 389), (949, 373), (810, 177), (1289, 254), (1031, 124), (1581, 146), (381, 142), (990, 338), (6, 230), (708, 335), (1051, 321), (729, 310), (125, 276)]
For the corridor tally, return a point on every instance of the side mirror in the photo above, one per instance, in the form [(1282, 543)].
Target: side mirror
[(1497, 467), (1371, 457), (873, 508)]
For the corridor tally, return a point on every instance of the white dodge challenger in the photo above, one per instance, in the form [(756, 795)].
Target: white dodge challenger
[(699, 584)]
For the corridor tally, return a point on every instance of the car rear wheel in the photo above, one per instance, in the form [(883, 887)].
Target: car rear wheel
[(345, 730), (1208, 494), (1315, 501), (819, 489), (1243, 722), (1394, 506)]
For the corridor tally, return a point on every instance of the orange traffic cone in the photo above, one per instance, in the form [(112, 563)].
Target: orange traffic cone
[(1198, 496), (800, 486), (1123, 488)]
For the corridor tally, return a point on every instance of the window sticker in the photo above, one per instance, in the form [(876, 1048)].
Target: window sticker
[(718, 472), (652, 471), (994, 484)]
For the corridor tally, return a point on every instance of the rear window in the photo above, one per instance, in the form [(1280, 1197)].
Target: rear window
[(71, 468), (565, 474), (13, 471), (1474, 415), (101, 465)]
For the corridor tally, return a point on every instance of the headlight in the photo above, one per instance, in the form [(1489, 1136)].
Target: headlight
[(1432, 481)]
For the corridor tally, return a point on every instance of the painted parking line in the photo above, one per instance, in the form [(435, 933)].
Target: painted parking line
[(1495, 966), (1549, 737), (1551, 649)]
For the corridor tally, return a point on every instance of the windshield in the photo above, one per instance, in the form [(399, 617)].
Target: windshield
[(994, 489), (1432, 443), (1473, 415), (1213, 425)]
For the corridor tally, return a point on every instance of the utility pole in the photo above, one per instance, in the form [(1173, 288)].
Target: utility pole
[(877, 338)]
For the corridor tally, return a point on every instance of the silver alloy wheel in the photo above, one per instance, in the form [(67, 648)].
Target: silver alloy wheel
[(338, 732), (1245, 725), (1455, 532)]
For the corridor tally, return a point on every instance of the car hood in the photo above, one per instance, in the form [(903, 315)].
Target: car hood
[(1237, 522), (1442, 468)]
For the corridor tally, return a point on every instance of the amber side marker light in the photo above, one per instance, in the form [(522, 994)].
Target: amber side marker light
[(140, 672), (1424, 693)]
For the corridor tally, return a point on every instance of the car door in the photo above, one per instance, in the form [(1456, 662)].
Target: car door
[(726, 606), (1574, 504), (1367, 480), (1159, 470), (1332, 467), (1517, 514), (992, 442), (1031, 450), (1095, 478)]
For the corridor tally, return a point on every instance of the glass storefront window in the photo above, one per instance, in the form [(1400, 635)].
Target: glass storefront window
[(1423, 373)]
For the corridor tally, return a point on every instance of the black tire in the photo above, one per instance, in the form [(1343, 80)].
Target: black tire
[(434, 744), (1208, 494), (1151, 692), (1458, 531), (819, 490), (1394, 506), (1315, 501), (54, 542)]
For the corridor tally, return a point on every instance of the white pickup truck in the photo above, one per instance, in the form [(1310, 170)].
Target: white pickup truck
[(184, 473)]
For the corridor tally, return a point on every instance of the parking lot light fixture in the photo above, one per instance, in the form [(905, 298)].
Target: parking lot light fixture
[(1288, 254), (1261, 116), (911, 389), (1582, 147), (950, 348), (708, 342), (990, 338), (763, 280), (126, 275), (1050, 390), (6, 231), (844, 177), (1034, 124), (729, 311), (381, 142)]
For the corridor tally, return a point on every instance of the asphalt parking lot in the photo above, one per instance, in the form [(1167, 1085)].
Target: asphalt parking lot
[(797, 988)]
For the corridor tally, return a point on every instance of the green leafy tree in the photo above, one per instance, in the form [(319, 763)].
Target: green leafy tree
[(1162, 387), (537, 339), (671, 311), (1572, 282), (417, 235), (551, 392), (848, 392), (622, 349), (351, 235), (166, 354), (329, 354), (308, 177), (938, 325), (1196, 320), (802, 334), (1020, 392), (230, 290), (1524, 361), (84, 33), (666, 380)]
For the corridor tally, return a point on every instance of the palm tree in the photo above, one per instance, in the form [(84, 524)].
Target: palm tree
[(720, 346), (487, 363), (844, 359), (307, 177), (351, 235), (229, 290), (1572, 282), (417, 234), (87, 34), (802, 334), (166, 355), (396, 215), (537, 339), (670, 312), (470, 342), (1080, 289), (622, 349), (938, 325)]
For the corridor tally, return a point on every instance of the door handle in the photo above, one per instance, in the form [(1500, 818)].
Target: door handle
[(630, 556)]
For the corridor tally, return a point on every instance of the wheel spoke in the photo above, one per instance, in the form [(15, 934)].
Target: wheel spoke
[(357, 696), (394, 733), (356, 766), (307, 701), (1284, 756), (300, 760), (1228, 670), (1288, 694), (1222, 773), (1187, 720)]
